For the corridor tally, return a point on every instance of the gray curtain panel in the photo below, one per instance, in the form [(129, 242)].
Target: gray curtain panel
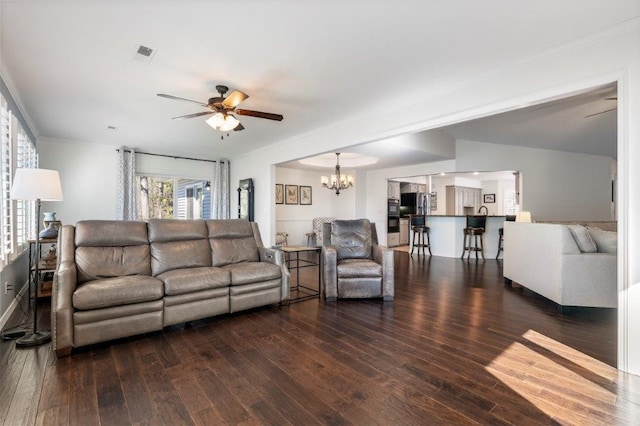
[(220, 191), (126, 203)]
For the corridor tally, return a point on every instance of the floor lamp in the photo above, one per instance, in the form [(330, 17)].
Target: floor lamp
[(36, 185)]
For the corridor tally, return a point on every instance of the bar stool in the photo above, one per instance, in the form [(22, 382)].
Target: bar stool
[(474, 229), (419, 229), (509, 218)]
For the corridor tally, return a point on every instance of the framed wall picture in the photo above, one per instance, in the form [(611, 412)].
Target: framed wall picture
[(291, 194), (489, 198), (279, 193), (305, 195)]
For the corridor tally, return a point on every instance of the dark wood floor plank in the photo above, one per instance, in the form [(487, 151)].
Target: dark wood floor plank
[(111, 402), (455, 347), (135, 394), (83, 399)]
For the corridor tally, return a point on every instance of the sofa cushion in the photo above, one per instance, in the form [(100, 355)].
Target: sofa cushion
[(110, 233), (117, 291), (163, 230), (359, 268), (180, 281), (167, 256), (251, 272), (606, 241), (583, 239), (351, 238), (231, 241), (107, 262), (178, 244)]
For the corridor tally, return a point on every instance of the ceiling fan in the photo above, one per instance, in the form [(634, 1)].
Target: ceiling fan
[(224, 110)]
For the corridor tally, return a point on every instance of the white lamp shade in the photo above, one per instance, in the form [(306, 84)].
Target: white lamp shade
[(36, 184), (230, 123), (216, 120)]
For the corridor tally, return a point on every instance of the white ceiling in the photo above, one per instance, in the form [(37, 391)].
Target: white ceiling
[(72, 66)]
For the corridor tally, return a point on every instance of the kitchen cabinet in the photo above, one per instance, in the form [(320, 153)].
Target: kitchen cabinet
[(393, 239), (459, 197), (393, 190), (404, 232), (408, 187)]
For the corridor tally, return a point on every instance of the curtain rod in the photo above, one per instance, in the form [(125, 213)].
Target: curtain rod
[(176, 157)]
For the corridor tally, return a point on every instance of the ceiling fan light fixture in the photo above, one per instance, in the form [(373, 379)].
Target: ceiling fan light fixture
[(216, 120), (223, 122), (230, 123)]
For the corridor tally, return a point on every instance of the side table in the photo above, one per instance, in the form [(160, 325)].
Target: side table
[(302, 292)]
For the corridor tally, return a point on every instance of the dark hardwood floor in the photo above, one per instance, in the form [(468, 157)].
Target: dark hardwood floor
[(455, 347)]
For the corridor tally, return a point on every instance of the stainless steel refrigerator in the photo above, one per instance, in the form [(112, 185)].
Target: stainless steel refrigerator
[(415, 203)]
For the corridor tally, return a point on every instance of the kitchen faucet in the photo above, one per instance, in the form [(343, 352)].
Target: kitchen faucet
[(486, 210)]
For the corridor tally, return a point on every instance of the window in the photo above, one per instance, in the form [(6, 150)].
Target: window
[(27, 158), (161, 197), (17, 218), (154, 197), (5, 177)]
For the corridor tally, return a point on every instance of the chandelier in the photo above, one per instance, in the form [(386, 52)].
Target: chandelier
[(337, 182)]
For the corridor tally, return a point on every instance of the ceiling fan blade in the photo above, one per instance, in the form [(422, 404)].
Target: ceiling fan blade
[(234, 99), (162, 95), (601, 112), (197, 114), (259, 114), (613, 98), (239, 127)]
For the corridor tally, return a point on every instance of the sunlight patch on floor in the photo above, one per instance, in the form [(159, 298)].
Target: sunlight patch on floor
[(559, 381)]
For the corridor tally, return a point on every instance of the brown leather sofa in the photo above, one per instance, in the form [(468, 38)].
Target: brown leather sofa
[(121, 278), (354, 265)]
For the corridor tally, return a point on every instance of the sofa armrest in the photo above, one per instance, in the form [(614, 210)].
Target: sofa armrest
[(590, 279), (276, 257), (65, 281), (384, 256), (330, 272)]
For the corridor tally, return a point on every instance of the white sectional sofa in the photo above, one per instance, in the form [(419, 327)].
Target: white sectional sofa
[(549, 260)]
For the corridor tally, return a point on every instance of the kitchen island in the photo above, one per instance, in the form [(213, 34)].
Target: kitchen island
[(446, 236)]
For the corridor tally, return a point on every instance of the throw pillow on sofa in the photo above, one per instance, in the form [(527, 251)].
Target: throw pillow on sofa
[(606, 241), (583, 239)]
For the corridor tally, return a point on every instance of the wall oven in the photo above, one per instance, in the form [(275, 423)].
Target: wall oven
[(393, 224), (393, 216)]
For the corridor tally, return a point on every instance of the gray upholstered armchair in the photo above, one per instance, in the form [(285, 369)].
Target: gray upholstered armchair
[(354, 265)]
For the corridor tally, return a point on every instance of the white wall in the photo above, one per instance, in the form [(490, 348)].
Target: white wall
[(555, 185), (88, 174), (297, 220), (598, 59)]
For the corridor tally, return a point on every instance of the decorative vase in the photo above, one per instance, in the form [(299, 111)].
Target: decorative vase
[(49, 216), (49, 232)]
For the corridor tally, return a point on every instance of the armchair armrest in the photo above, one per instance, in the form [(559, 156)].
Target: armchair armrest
[(330, 273), (276, 257), (384, 256)]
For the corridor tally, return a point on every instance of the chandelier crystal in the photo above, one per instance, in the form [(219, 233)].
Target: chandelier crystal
[(337, 182)]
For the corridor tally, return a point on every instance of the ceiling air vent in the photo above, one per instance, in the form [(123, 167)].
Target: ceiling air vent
[(144, 54)]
